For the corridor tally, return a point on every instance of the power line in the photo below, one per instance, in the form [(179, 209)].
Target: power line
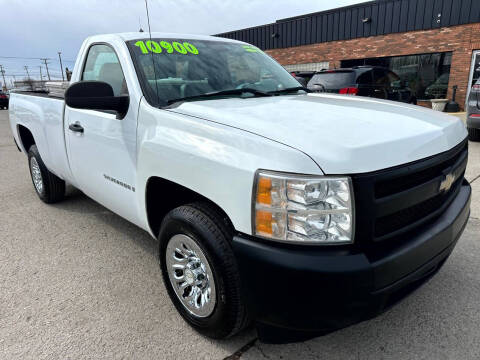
[(32, 58), (52, 75), (19, 57)]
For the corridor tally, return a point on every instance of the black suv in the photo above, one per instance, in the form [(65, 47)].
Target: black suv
[(3, 100), (371, 81)]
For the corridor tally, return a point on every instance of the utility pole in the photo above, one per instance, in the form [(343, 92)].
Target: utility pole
[(46, 65), (3, 75), (41, 76), (26, 69), (61, 66)]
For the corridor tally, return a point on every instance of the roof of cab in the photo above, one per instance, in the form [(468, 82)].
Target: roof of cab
[(160, 35)]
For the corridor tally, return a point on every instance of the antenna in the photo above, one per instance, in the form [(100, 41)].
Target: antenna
[(148, 19), (151, 53)]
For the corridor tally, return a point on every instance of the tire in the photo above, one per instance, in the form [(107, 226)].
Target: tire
[(212, 233), (49, 187), (473, 134)]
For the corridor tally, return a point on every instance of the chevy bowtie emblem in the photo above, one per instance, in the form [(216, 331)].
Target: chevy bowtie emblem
[(447, 183)]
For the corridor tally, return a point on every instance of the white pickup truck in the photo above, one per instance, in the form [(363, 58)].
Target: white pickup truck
[(300, 212)]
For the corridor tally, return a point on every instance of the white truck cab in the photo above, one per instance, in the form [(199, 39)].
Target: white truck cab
[(298, 211)]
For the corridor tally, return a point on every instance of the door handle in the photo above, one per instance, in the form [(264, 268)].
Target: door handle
[(76, 127)]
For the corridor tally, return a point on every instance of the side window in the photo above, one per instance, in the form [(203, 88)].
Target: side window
[(365, 78), (102, 65)]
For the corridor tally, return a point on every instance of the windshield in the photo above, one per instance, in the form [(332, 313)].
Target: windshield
[(171, 69), (333, 80)]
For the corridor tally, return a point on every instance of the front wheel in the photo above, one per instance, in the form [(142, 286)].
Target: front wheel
[(200, 271)]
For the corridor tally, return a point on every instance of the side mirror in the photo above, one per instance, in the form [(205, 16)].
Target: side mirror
[(95, 95)]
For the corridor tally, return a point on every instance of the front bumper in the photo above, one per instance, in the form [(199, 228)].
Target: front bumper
[(320, 289)]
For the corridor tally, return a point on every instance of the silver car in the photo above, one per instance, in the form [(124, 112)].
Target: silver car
[(473, 113)]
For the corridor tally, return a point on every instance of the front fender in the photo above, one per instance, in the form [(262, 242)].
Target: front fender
[(214, 160)]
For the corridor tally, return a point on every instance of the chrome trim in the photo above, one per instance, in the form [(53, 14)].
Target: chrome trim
[(191, 275), (36, 175)]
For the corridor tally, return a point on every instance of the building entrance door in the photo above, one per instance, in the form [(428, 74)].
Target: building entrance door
[(474, 73)]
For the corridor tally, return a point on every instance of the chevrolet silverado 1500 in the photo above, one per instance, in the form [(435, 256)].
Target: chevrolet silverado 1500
[(293, 210)]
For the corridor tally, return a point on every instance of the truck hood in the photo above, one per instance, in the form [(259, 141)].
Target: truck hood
[(342, 134)]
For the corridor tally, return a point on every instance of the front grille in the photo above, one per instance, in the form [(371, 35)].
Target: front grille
[(409, 179), (410, 215), (393, 201)]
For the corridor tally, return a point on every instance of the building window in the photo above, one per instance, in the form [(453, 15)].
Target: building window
[(324, 65), (427, 74)]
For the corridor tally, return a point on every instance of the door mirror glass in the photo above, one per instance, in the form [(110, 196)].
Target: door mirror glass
[(96, 95)]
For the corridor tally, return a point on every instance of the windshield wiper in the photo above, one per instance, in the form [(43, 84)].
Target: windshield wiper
[(221, 93), (288, 90)]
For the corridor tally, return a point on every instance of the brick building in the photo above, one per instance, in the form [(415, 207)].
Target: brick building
[(431, 44)]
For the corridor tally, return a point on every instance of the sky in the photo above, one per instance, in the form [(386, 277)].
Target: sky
[(40, 28)]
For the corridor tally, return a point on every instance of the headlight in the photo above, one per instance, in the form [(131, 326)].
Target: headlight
[(303, 209)]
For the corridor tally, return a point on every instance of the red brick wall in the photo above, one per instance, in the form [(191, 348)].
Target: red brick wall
[(461, 40)]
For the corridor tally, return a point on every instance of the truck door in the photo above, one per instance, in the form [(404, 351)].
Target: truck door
[(101, 147)]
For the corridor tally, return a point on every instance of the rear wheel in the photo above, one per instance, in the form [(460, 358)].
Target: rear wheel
[(49, 187), (200, 271), (473, 134)]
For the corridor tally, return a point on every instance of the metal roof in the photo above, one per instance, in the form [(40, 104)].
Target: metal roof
[(370, 18)]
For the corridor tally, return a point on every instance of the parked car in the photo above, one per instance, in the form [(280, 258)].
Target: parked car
[(297, 211), (439, 88), (370, 81), (473, 113), (4, 99), (303, 77)]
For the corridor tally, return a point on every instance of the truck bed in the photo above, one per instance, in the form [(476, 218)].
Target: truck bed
[(43, 116), (39, 94)]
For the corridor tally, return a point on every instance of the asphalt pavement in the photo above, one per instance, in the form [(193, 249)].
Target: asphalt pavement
[(79, 282)]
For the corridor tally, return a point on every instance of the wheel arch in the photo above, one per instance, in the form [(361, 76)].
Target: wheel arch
[(162, 195), (26, 137)]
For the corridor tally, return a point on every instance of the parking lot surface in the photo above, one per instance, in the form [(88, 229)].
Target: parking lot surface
[(77, 281)]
